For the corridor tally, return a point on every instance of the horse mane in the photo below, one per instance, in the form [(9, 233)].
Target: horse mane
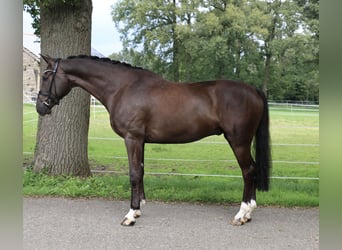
[(105, 59)]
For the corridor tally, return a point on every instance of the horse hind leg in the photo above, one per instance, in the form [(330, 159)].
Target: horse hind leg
[(248, 203), (247, 165)]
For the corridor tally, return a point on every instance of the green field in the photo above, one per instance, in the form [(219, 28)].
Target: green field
[(295, 172)]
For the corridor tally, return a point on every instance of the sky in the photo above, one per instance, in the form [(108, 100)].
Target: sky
[(104, 38)]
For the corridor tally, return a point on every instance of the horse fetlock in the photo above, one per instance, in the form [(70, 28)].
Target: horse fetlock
[(142, 202), (137, 213), (244, 214), (252, 204)]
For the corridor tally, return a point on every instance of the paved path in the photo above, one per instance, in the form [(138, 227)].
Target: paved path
[(58, 223)]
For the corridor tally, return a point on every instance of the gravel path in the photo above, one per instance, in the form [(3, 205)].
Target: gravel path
[(58, 223)]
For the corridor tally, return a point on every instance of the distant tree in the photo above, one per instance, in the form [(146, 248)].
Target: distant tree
[(62, 138), (227, 40), (270, 44), (291, 52)]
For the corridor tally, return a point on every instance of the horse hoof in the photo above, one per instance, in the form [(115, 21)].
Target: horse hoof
[(127, 222), (237, 222), (245, 219), (240, 221)]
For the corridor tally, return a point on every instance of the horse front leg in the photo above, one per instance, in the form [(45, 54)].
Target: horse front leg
[(134, 148)]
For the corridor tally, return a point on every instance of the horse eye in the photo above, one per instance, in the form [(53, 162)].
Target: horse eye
[(45, 75)]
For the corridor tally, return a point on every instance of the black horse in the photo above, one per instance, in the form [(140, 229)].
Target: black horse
[(145, 108)]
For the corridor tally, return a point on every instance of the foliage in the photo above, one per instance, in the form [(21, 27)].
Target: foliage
[(271, 44), (33, 7)]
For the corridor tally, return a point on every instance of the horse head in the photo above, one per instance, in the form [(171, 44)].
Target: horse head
[(54, 86)]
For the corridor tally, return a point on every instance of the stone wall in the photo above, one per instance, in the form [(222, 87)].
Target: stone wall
[(31, 75)]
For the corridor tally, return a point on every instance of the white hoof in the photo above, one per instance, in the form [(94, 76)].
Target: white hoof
[(240, 221), (127, 222), (237, 222), (129, 219)]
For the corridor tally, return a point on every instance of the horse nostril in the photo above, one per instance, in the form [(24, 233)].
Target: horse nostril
[(47, 103), (42, 108)]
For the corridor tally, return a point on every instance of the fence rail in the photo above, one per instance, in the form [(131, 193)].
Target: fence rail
[(206, 175), (96, 107), (293, 106)]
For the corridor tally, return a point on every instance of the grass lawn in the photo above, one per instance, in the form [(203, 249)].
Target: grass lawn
[(295, 154)]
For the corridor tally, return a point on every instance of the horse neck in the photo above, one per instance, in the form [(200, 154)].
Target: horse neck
[(94, 78)]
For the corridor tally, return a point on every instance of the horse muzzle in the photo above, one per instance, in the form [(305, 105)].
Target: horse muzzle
[(42, 108)]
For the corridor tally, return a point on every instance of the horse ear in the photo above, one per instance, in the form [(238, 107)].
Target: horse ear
[(47, 58)]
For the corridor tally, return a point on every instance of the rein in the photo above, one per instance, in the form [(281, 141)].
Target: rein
[(49, 95)]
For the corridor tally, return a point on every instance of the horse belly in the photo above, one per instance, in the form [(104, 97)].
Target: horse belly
[(182, 114), (180, 131)]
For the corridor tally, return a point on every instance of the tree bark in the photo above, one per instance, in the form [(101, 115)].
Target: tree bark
[(176, 45), (62, 137)]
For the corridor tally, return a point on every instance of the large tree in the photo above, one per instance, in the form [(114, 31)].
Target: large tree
[(154, 28), (62, 137)]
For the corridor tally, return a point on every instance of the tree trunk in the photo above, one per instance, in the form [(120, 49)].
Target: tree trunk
[(267, 72), (188, 57), (62, 137), (273, 9), (176, 45)]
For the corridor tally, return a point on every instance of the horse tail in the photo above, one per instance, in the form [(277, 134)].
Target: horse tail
[(262, 148)]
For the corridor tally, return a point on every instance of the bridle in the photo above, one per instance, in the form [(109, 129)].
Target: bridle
[(51, 99)]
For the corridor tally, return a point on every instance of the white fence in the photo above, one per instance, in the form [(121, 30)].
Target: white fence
[(284, 105), (97, 107), (293, 106)]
